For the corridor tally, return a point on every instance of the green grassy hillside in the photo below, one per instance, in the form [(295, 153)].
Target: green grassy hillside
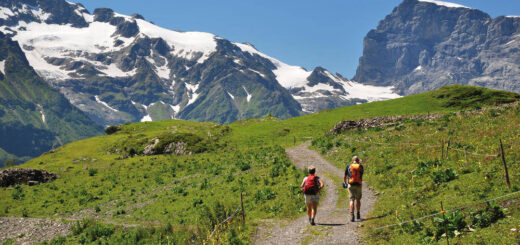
[(446, 99), (108, 179), (414, 170)]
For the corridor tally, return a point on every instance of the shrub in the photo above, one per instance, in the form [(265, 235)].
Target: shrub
[(205, 184), (97, 231), (78, 227), (112, 129), (275, 172), (197, 201), (243, 166), (92, 172), (454, 222), (485, 217), (18, 193), (159, 180), (426, 167), (440, 176)]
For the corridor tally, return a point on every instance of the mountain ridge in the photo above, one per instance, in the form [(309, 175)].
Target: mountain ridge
[(132, 65)]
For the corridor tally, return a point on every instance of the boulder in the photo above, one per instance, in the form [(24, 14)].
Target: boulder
[(28, 176), (177, 148), (149, 149)]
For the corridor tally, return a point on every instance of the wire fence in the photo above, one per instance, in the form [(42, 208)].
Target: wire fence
[(229, 218), (445, 148), (428, 146), (450, 210)]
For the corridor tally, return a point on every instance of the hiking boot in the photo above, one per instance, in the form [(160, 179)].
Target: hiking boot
[(358, 215), (352, 214), (312, 222)]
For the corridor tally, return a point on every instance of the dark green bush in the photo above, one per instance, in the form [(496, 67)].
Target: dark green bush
[(243, 165), (454, 222), (426, 167), (112, 129), (92, 172), (485, 217), (18, 193), (443, 176)]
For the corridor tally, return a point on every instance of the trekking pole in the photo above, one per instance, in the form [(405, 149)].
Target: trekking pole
[(505, 165), (445, 226)]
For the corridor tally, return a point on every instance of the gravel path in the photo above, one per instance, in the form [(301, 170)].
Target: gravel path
[(31, 230), (333, 224)]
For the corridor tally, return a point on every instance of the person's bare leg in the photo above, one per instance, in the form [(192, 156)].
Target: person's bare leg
[(314, 209), (352, 206), (358, 204), (309, 210)]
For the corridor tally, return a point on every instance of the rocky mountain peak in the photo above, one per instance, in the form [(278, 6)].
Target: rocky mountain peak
[(425, 44), (43, 11), (103, 14)]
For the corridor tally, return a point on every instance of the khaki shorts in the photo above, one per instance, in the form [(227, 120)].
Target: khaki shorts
[(355, 192), (312, 198)]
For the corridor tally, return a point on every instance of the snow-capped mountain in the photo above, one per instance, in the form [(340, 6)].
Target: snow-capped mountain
[(120, 68)]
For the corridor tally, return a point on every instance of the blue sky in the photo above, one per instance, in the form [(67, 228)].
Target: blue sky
[(307, 33)]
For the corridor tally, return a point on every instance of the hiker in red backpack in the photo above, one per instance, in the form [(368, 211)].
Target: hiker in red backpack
[(311, 187), (354, 178)]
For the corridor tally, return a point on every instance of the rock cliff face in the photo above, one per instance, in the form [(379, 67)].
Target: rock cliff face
[(425, 44)]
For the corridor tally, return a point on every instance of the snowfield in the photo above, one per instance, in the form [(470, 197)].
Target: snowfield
[(445, 4)]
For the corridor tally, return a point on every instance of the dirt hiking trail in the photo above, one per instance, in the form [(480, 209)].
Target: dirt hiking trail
[(333, 225)]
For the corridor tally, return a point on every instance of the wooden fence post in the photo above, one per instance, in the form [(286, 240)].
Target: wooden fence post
[(447, 149), (442, 150), (243, 211), (445, 225), (505, 165), (466, 156)]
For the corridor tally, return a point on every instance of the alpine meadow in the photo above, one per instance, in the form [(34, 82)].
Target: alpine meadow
[(115, 130)]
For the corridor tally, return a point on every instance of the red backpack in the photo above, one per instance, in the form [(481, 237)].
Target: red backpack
[(311, 186)]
